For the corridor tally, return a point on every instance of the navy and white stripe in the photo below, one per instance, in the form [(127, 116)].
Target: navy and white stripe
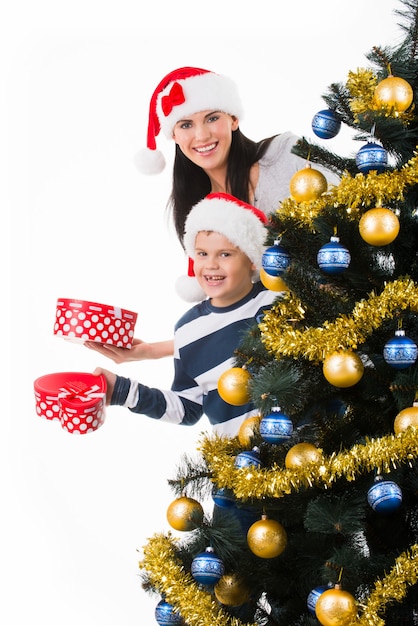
[(204, 343)]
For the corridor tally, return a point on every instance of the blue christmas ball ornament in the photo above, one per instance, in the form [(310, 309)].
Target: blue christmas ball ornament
[(384, 496), (372, 157), (207, 568), (248, 458), (333, 257), (400, 352), (223, 497), (313, 597), (325, 124), (276, 427), (166, 616), (275, 260)]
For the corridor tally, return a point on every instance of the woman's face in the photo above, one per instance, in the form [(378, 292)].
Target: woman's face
[(205, 138)]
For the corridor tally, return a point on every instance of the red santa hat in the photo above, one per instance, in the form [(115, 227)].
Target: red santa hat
[(241, 223), (184, 92)]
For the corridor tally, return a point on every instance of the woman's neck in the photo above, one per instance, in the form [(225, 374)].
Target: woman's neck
[(218, 181)]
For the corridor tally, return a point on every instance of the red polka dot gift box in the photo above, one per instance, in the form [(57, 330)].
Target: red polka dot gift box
[(80, 320), (77, 400)]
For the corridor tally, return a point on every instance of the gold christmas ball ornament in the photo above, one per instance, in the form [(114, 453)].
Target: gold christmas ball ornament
[(272, 283), (379, 226), (335, 607), (307, 185), (232, 590), (301, 455), (394, 92), (406, 418), (266, 538), (233, 386), (185, 514), (248, 429), (343, 368)]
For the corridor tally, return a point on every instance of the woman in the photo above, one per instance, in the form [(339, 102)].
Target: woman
[(201, 110)]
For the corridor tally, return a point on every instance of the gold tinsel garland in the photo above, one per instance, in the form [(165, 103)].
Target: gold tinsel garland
[(380, 455), (346, 332), (198, 608), (167, 575), (355, 194), (392, 588), (361, 85)]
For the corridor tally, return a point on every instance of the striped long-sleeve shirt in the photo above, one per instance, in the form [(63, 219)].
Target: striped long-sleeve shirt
[(204, 342)]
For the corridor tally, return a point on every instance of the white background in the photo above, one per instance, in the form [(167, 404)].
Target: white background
[(77, 220)]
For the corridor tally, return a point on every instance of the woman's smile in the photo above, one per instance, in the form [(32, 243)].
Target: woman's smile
[(206, 149)]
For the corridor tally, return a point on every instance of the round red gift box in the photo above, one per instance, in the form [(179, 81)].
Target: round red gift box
[(77, 400), (80, 320)]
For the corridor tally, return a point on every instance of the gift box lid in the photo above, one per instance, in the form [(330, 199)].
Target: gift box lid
[(77, 387), (96, 308)]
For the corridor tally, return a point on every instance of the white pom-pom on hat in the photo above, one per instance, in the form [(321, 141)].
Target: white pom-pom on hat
[(184, 92), (188, 288), (240, 222), (149, 161)]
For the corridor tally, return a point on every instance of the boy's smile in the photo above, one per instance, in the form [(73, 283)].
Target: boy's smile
[(223, 271)]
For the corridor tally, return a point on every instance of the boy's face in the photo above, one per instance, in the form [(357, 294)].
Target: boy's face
[(223, 271)]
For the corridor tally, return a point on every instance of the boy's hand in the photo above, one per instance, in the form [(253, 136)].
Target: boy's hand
[(110, 381)]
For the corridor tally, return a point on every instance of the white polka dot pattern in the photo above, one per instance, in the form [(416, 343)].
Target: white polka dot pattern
[(76, 400), (80, 320)]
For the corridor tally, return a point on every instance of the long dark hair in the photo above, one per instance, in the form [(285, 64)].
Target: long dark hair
[(191, 183)]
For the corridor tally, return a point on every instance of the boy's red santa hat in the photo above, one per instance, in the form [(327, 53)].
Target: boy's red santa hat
[(180, 94), (241, 223)]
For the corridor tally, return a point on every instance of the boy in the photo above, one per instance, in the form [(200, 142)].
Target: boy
[(226, 240)]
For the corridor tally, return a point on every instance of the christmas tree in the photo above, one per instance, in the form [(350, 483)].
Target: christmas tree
[(329, 465)]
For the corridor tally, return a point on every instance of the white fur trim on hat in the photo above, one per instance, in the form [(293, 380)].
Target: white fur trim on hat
[(237, 221), (205, 92)]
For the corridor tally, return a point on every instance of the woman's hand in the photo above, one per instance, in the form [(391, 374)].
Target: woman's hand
[(140, 350)]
